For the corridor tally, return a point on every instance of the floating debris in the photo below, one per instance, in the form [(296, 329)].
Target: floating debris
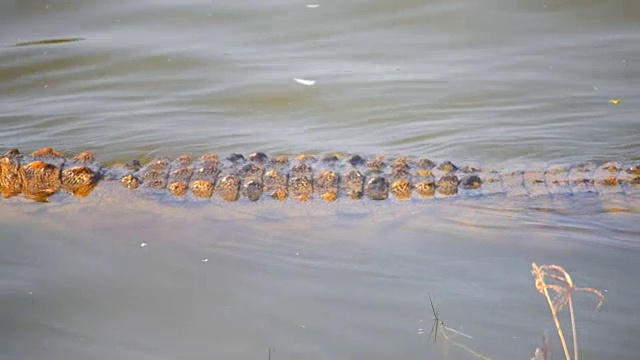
[(304, 81), (49, 41), (458, 332), (312, 6), (615, 101), (143, 244)]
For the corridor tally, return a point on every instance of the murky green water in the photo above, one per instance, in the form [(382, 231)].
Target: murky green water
[(489, 82)]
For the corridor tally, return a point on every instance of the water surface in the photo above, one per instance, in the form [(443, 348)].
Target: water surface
[(492, 82)]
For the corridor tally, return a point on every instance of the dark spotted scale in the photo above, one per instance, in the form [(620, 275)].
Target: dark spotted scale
[(156, 174), (275, 184), (251, 177), (424, 182), (352, 183), (79, 180), (205, 174), (400, 179), (40, 180), (300, 180), (229, 187), (10, 181), (470, 182), (376, 186), (259, 158), (447, 166), (180, 175), (327, 185), (447, 185)]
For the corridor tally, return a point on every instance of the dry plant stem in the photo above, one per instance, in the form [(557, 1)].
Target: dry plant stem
[(564, 291), (542, 286), (569, 281), (573, 330)]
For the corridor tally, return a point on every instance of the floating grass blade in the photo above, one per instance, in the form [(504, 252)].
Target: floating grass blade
[(439, 327), (436, 321), (48, 41)]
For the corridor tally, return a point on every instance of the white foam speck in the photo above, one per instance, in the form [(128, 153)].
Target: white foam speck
[(304, 81)]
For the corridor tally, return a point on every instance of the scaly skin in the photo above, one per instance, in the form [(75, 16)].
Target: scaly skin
[(46, 172)]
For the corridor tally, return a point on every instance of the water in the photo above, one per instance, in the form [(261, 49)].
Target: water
[(493, 82), (501, 80)]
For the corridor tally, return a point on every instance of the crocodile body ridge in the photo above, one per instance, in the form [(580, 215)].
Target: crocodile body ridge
[(46, 172)]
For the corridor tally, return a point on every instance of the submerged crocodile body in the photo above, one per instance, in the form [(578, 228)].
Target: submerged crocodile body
[(46, 172)]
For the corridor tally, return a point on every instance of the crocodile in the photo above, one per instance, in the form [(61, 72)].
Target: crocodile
[(46, 172)]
